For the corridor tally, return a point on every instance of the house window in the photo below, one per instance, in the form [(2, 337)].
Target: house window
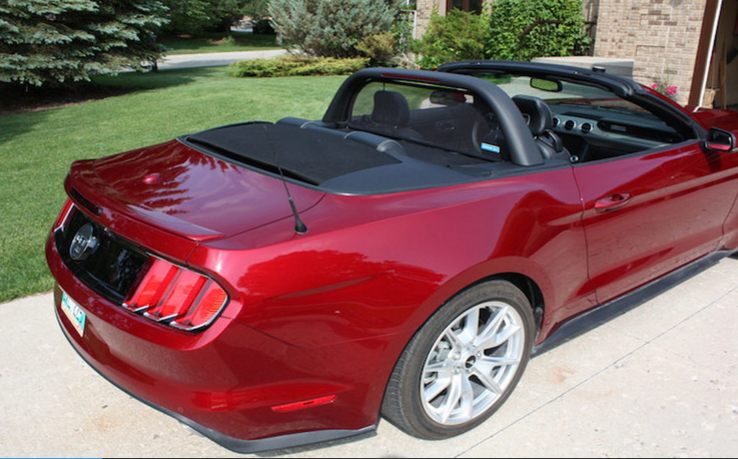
[(474, 6)]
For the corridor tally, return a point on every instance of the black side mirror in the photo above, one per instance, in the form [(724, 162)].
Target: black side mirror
[(720, 140)]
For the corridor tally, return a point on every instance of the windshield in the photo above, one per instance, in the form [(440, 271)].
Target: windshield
[(451, 119), (561, 94)]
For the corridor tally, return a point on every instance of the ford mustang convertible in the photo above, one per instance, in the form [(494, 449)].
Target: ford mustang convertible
[(280, 284)]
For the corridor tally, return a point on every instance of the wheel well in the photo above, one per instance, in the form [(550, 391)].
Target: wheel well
[(531, 291)]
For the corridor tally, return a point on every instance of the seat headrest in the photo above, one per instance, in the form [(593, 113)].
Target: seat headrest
[(390, 108), (537, 112)]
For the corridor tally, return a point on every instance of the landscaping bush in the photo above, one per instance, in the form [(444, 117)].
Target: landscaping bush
[(508, 19), (331, 29), (292, 65), (381, 49), (457, 36)]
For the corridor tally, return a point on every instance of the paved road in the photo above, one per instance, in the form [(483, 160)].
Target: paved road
[(181, 61), (659, 381)]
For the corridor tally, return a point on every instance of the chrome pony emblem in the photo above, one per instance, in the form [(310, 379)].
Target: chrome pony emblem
[(84, 243)]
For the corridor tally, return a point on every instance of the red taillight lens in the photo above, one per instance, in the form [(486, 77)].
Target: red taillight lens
[(176, 296), (62, 218)]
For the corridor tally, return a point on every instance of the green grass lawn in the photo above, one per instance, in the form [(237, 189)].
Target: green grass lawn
[(37, 148), (216, 43)]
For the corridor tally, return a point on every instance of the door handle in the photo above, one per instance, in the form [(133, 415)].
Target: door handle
[(613, 202)]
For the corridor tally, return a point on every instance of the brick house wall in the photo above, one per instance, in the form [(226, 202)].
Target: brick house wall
[(662, 36), (424, 10)]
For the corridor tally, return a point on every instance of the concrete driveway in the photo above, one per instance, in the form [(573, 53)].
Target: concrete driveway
[(659, 381), (183, 61)]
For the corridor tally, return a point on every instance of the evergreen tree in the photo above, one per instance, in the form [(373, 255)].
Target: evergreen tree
[(196, 16), (47, 42), (187, 16)]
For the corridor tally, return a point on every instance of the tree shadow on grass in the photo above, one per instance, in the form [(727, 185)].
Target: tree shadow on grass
[(12, 126), (136, 81), (23, 107), (21, 99)]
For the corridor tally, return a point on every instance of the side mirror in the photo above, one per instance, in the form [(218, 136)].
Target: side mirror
[(720, 140)]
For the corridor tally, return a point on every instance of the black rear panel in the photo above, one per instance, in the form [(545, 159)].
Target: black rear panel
[(110, 266)]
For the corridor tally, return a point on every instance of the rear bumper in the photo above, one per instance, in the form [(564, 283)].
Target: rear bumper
[(234, 444), (228, 381)]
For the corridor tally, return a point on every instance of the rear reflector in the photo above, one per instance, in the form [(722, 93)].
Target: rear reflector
[(313, 403), (176, 296)]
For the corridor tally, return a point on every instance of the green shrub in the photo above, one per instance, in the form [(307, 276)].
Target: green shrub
[(293, 65), (457, 36), (510, 18), (331, 28), (380, 48)]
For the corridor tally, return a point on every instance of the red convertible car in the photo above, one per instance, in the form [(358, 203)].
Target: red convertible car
[(280, 284)]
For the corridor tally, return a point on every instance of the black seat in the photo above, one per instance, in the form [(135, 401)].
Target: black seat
[(390, 108), (390, 115), (539, 117)]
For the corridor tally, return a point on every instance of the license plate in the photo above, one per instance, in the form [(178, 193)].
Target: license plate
[(74, 313)]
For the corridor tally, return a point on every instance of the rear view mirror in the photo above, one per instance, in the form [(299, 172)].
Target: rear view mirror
[(447, 98), (546, 85), (720, 140)]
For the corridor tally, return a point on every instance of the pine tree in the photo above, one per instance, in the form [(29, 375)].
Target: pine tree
[(196, 16), (59, 42)]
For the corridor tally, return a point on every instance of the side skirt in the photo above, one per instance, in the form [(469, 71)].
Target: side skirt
[(607, 311)]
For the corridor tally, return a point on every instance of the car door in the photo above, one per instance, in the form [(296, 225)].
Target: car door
[(654, 198), (646, 214)]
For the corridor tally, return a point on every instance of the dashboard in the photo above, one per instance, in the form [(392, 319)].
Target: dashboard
[(593, 132)]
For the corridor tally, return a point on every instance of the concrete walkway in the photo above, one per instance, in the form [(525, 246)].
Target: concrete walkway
[(659, 381), (181, 61)]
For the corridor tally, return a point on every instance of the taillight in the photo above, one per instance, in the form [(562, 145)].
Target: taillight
[(62, 218), (176, 296)]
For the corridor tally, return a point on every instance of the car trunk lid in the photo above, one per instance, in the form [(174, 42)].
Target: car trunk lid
[(184, 191)]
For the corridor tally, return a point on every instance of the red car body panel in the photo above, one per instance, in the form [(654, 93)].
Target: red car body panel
[(502, 224), (315, 322), (170, 186), (343, 320), (631, 245)]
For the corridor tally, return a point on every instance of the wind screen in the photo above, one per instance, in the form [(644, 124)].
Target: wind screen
[(448, 118)]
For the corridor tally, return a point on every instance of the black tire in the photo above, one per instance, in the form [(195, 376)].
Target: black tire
[(438, 358)]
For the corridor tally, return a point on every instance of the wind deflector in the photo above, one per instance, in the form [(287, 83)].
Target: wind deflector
[(305, 155)]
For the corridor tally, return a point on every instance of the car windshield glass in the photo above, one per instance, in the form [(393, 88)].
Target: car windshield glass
[(561, 94), (447, 118)]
